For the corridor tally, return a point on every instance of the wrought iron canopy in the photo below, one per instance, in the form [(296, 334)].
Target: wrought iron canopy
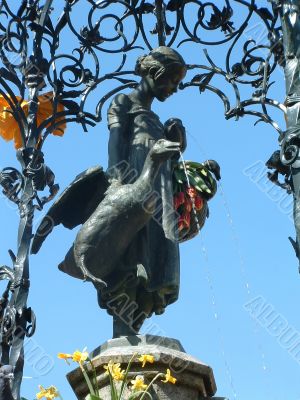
[(36, 59)]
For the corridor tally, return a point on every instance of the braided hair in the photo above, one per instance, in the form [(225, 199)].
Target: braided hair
[(162, 59)]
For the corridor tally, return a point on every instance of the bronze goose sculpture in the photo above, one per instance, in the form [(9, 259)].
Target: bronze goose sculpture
[(114, 214)]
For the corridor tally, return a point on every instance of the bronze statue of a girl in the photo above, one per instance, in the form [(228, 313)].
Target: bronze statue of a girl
[(153, 255), (127, 245)]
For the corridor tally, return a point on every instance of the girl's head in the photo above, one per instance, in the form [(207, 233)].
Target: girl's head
[(164, 68), (163, 59)]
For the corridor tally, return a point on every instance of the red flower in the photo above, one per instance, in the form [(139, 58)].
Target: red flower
[(184, 221), (175, 202), (198, 203), (178, 200), (192, 192), (188, 205), (180, 225), (181, 197)]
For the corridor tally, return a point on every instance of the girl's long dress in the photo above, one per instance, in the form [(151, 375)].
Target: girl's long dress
[(151, 263)]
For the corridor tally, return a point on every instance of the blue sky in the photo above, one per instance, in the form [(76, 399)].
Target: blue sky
[(239, 277)]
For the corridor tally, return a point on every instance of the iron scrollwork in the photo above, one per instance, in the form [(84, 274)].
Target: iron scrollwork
[(35, 60)]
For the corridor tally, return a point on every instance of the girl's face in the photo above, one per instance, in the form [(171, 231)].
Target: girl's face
[(167, 84)]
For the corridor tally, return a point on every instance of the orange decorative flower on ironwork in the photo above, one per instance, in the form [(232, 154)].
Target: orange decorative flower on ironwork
[(9, 127)]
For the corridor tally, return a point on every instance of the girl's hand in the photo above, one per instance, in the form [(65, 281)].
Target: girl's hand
[(175, 131)]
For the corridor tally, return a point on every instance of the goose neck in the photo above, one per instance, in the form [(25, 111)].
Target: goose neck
[(150, 170)]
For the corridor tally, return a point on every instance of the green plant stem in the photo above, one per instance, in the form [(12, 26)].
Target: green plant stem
[(133, 396), (160, 375), (114, 393), (87, 379), (125, 376), (94, 376)]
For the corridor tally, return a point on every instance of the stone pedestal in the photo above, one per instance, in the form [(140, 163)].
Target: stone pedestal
[(195, 380)]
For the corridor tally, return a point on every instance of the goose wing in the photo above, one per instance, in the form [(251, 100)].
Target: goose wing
[(75, 205)]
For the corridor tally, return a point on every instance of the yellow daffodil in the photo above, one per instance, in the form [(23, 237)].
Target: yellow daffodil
[(64, 356), (109, 367), (48, 393), (115, 371), (138, 384), (169, 378), (78, 356), (146, 358)]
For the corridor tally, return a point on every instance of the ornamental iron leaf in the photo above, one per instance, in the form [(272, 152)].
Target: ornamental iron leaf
[(221, 19)]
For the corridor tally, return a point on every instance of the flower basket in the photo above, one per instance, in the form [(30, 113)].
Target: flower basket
[(193, 186)]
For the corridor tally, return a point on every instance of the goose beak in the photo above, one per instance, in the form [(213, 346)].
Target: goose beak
[(173, 147), (164, 149)]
